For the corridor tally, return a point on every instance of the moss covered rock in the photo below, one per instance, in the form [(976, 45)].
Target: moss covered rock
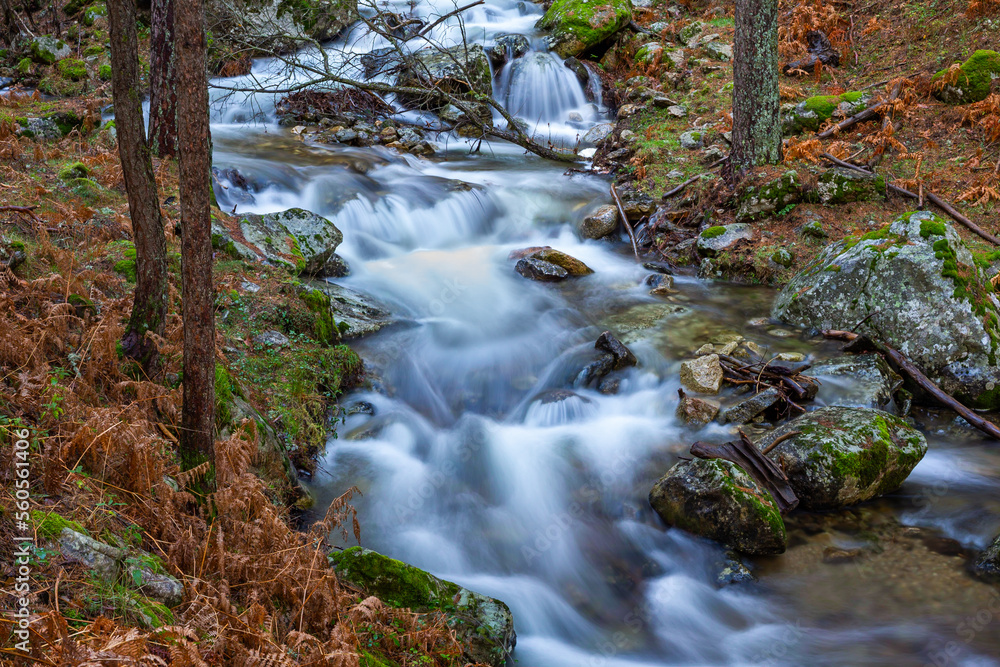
[(717, 239), (297, 239), (844, 456), (72, 69), (810, 114), (975, 77), (763, 200), (717, 499), (578, 25), (276, 26), (458, 71), (483, 626), (840, 186), (48, 50), (916, 287), (987, 565)]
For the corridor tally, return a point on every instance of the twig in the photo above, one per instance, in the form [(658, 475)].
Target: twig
[(680, 188), (856, 118), (933, 198), (780, 439), (628, 227), (907, 366), (435, 24)]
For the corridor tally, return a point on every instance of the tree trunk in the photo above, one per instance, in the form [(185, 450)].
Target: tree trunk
[(756, 102), (162, 93), (198, 415), (149, 307)]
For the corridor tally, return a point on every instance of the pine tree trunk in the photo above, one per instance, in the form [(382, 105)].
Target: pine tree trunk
[(198, 415), (162, 94), (149, 307), (756, 101)]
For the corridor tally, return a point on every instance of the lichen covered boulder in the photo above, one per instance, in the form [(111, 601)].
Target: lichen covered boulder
[(762, 200), (860, 380), (810, 114), (914, 286), (580, 25), (483, 625), (48, 50), (458, 71), (277, 26), (844, 456), (717, 499), (840, 186), (297, 239), (716, 239), (973, 81)]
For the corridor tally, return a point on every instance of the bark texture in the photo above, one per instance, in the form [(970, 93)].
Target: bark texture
[(756, 102), (149, 307), (162, 93), (198, 417)]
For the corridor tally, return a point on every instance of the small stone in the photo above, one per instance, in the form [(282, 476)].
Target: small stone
[(248, 286), (814, 229), (718, 50), (782, 257), (745, 411), (729, 347), (698, 411), (575, 117), (536, 269), (838, 556), (271, 338), (732, 571), (627, 136), (623, 356), (675, 173), (702, 375), (790, 356), (676, 110), (707, 348), (627, 110), (714, 240), (571, 265), (691, 139), (659, 281)]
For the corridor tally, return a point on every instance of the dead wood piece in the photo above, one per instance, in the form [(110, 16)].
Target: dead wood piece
[(763, 470), (628, 227), (859, 343)]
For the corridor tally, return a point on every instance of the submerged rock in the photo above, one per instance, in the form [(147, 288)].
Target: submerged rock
[(717, 499), (483, 625), (844, 456), (915, 286), (602, 222), (871, 381), (577, 25), (987, 565), (536, 269)]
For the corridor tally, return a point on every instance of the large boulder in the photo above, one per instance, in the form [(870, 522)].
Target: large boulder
[(483, 625), (48, 50), (461, 71), (278, 26), (844, 456), (717, 499), (578, 25), (862, 380), (916, 287), (972, 81), (810, 114), (297, 239)]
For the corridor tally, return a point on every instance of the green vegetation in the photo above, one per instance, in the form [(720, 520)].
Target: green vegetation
[(72, 69), (713, 232), (50, 524)]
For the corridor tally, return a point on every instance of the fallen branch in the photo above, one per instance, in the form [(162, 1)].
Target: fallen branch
[(933, 198), (628, 227), (780, 439), (858, 342), (680, 188), (867, 114), (764, 471)]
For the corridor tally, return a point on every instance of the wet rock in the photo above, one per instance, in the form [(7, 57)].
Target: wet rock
[(691, 140), (871, 382), (380, 61), (297, 239), (987, 565), (698, 411), (840, 186), (623, 356), (602, 222), (767, 199), (598, 133), (47, 50), (745, 411), (576, 26), (844, 456), (637, 205), (571, 265), (810, 114), (483, 625), (335, 267), (609, 386), (507, 47), (733, 571), (974, 81), (820, 51), (354, 313), (110, 563), (456, 71), (702, 375), (915, 286), (536, 269), (839, 556), (718, 500), (271, 338), (578, 68), (714, 240)]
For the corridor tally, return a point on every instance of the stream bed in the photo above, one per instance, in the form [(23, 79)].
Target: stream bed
[(471, 469)]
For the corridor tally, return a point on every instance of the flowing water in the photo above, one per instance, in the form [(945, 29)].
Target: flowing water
[(475, 467)]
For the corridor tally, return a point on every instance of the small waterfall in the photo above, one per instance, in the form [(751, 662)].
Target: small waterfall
[(540, 89)]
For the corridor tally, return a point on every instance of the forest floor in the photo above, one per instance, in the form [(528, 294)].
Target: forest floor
[(102, 435)]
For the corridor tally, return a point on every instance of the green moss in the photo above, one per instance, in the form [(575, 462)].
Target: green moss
[(93, 50), (72, 69), (932, 227), (74, 170), (23, 67), (763, 504), (977, 74), (325, 328), (834, 268), (104, 72), (713, 232), (49, 524), (396, 583), (577, 25), (223, 397), (127, 268)]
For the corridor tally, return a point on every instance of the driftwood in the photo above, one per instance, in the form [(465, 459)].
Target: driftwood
[(788, 381), (860, 343), (628, 227), (763, 470), (933, 198)]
